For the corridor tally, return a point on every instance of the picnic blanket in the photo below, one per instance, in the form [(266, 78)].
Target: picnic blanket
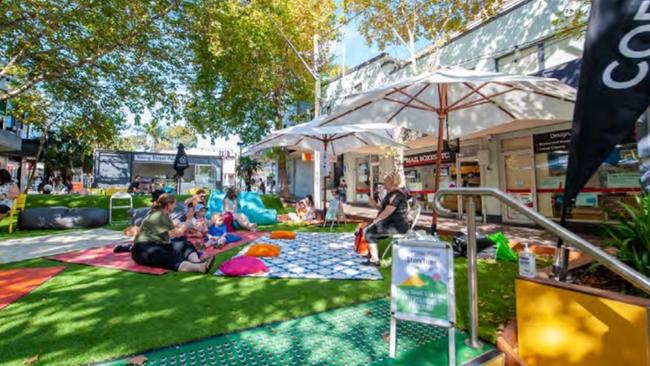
[(316, 256), (16, 283), (104, 256)]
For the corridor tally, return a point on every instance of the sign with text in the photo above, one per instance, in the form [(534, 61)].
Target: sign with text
[(428, 159), (552, 141), (422, 283)]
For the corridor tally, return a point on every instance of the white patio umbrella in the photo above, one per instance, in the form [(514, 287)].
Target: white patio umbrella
[(467, 101), (337, 139)]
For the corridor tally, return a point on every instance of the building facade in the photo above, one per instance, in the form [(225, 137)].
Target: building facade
[(525, 159), (119, 168)]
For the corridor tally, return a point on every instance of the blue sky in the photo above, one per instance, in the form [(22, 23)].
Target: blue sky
[(357, 51)]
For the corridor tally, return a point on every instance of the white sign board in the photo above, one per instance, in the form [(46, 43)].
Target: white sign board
[(422, 287)]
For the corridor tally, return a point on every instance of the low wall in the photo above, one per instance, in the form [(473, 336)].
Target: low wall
[(563, 324)]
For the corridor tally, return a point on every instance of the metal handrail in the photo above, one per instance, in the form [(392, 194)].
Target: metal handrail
[(613, 264)]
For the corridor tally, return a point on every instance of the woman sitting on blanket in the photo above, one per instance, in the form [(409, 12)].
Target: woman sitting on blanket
[(230, 206), (305, 210), (153, 246), (392, 218)]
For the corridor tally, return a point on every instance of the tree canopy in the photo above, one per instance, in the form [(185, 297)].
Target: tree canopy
[(404, 22)]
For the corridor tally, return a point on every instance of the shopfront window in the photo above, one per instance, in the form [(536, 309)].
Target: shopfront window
[(206, 175), (617, 179), (518, 163), (420, 173), (363, 176)]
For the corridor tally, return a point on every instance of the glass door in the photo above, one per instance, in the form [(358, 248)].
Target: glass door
[(519, 182)]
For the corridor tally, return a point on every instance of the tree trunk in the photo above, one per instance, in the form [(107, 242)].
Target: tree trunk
[(283, 175), (39, 151), (412, 52)]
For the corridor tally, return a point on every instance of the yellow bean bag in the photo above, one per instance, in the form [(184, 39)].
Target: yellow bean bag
[(263, 250), (281, 234)]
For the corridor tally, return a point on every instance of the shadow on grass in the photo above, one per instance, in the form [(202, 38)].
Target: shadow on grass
[(88, 314)]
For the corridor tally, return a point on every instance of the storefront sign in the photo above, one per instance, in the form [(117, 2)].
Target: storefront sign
[(552, 141), (166, 158), (154, 158), (428, 159), (623, 180)]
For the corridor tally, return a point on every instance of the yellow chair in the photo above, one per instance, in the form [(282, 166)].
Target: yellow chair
[(18, 205), (96, 191)]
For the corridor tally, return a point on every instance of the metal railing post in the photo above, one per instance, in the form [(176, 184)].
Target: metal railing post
[(602, 257), (471, 273)]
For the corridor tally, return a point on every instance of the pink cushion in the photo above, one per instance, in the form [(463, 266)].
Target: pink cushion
[(242, 266)]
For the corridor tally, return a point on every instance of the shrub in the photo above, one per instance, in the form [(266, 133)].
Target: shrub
[(631, 235)]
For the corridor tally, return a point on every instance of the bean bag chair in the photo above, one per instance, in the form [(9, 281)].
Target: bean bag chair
[(251, 205), (138, 215), (282, 234), (215, 203), (263, 250), (38, 218), (242, 266)]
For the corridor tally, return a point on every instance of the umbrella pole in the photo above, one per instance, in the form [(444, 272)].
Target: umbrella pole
[(442, 116), (324, 160)]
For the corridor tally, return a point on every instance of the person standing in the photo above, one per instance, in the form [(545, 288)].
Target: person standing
[(134, 187), (273, 186), (343, 191), (262, 186), (9, 191)]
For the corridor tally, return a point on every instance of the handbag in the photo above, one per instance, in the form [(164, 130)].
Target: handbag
[(360, 243)]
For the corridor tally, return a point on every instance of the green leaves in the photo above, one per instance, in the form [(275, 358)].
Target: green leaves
[(631, 235), (384, 22), (246, 74)]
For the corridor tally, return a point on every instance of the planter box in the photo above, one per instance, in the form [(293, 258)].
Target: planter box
[(565, 324)]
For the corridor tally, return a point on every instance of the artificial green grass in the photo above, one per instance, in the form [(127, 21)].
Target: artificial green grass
[(88, 314), (74, 201)]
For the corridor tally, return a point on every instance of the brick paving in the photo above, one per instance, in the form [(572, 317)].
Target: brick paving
[(521, 234)]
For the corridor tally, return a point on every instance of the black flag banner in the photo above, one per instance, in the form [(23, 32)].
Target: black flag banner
[(614, 87)]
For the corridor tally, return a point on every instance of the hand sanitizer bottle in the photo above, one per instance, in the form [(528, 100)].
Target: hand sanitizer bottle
[(527, 264)]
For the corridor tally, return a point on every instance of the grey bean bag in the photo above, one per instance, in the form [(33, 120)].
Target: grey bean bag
[(62, 218)]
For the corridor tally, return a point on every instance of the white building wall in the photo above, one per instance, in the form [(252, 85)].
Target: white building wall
[(510, 37)]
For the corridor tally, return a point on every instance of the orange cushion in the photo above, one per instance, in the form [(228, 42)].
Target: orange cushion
[(263, 250), (281, 234)]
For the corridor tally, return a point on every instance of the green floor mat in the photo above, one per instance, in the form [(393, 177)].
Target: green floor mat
[(347, 336)]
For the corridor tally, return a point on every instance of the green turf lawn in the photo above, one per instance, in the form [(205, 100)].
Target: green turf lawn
[(88, 314), (74, 201)]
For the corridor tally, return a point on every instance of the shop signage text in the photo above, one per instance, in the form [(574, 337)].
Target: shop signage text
[(552, 141), (164, 158), (428, 159)]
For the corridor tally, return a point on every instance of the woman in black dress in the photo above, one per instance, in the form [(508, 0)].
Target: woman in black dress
[(392, 218)]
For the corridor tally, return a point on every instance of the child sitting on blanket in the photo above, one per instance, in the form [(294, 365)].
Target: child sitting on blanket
[(218, 231)]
